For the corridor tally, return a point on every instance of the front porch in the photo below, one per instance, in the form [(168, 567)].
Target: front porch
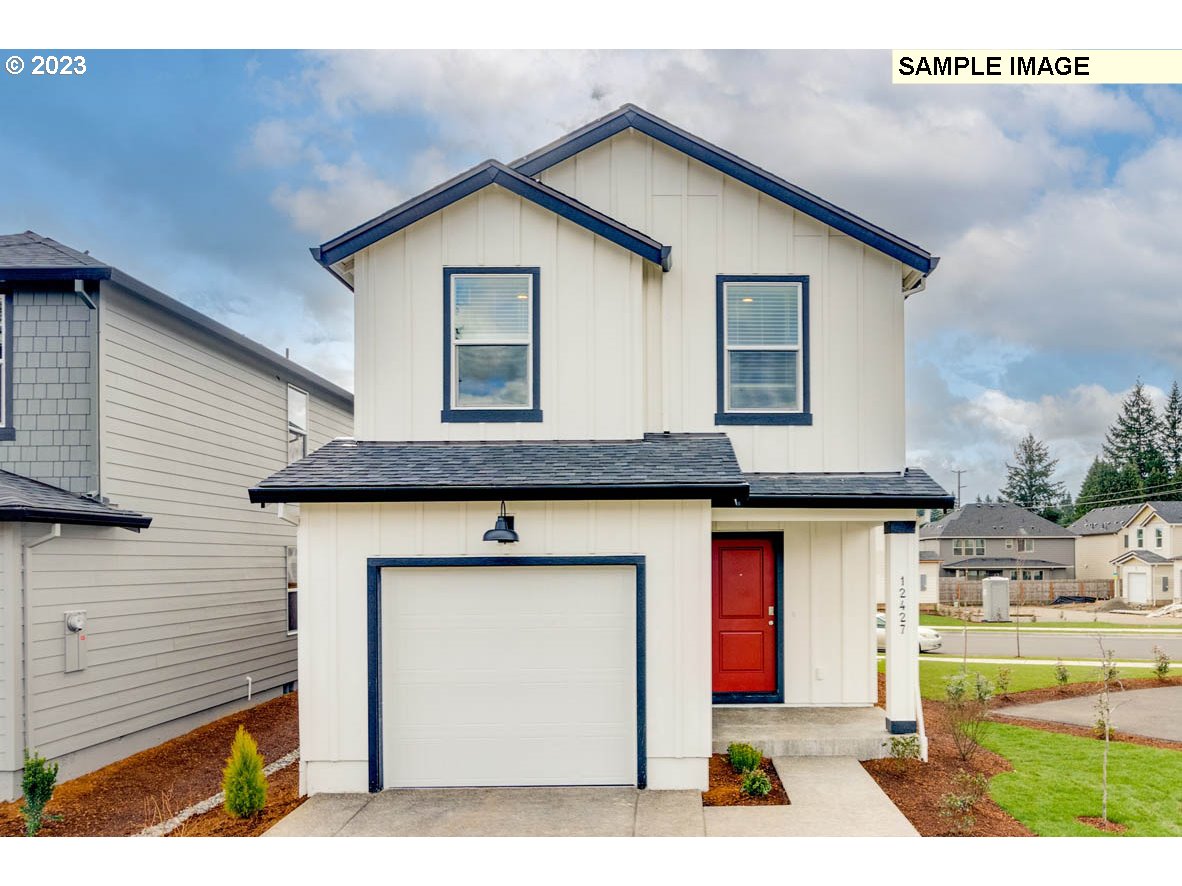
[(779, 731)]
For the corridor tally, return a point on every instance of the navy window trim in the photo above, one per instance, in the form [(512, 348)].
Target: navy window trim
[(777, 697), (723, 416), (899, 527), (452, 413), (374, 567)]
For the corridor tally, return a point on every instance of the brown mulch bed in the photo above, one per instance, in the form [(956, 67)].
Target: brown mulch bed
[(1102, 825), (725, 782), (153, 785), (283, 795), (916, 788)]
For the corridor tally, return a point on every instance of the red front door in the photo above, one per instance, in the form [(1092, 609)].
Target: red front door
[(744, 615)]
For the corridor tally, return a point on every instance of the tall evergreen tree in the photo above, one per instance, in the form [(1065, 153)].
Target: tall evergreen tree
[(1135, 438), (1030, 481), (1104, 485), (1171, 433)]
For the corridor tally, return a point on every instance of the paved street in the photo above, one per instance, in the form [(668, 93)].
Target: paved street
[(1050, 644), (1156, 713)]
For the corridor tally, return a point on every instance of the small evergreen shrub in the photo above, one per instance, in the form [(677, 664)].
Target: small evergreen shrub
[(755, 784), (243, 781), (744, 758), (1062, 677), (958, 805), (1161, 663), (37, 784), (903, 748)]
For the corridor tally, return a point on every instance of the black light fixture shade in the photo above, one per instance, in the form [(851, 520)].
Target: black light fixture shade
[(502, 532)]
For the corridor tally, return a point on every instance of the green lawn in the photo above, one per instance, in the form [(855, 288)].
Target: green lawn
[(1056, 778), (945, 621), (932, 675)]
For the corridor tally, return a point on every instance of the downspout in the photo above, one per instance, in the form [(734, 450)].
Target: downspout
[(26, 623), (919, 728)]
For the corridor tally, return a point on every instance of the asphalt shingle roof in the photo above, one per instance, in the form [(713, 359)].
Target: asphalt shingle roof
[(31, 250), (1102, 521), (1002, 563), (659, 466), (1143, 555), (912, 488), (22, 498), (995, 520)]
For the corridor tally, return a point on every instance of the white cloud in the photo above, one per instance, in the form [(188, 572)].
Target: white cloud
[(344, 195)]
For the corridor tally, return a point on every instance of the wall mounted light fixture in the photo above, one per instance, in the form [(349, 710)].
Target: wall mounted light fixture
[(502, 532)]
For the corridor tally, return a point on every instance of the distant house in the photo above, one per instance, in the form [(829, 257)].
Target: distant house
[(139, 589), (1139, 544), (1101, 539), (1000, 539)]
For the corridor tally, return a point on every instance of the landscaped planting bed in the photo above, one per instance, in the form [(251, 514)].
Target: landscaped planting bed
[(156, 784), (725, 782), (1043, 777)]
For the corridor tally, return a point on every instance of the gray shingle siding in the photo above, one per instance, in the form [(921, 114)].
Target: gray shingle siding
[(52, 409)]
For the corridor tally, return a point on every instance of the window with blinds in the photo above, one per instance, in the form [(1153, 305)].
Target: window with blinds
[(762, 346), (492, 324)]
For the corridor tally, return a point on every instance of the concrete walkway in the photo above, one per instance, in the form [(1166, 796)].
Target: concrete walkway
[(1155, 713), (831, 796)]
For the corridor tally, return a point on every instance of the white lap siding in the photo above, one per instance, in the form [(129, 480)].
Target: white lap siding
[(180, 614), (336, 540)]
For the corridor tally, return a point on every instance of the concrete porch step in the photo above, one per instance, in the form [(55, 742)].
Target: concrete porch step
[(803, 732)]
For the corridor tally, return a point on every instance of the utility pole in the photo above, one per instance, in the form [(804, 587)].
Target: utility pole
[(958, 472)]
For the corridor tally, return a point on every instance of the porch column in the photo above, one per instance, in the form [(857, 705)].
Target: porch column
[(902, 619)]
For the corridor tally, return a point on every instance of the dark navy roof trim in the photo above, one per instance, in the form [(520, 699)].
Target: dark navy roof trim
[(630, 116), (489, 173)]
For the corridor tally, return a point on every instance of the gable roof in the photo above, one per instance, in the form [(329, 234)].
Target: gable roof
[(631, 116), (993, 520), (490, 172), (29, 256), (32, 257), (659, 466), (1139, 554), (1104, 521), (25, 499)]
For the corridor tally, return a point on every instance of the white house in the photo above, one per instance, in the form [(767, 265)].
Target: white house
[(680, 378), (1142, 547)]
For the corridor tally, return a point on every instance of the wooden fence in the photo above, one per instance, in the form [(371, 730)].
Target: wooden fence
[(1024, 593)]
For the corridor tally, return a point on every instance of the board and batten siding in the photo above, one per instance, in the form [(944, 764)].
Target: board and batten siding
[(180, 614), (831, 582), (592, 338), (718, 225), (337, 539)]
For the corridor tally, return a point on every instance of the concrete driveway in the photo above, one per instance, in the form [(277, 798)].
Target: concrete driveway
[(830, 796), (1156, 713)]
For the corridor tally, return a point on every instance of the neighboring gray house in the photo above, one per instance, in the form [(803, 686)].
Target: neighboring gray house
[(981, 540), (139, 588)]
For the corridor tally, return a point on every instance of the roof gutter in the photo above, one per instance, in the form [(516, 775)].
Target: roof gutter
[(724, 494)]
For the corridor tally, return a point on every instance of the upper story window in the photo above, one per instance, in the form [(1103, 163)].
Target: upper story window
[(1140, 538), (491, 360), (763, 359), (1158, 537), (1025, 544), (297, 424), (969, 547), (1126, 539)]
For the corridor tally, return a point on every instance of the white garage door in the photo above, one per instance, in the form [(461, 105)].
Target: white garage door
[(1138, 589), (509, 676)]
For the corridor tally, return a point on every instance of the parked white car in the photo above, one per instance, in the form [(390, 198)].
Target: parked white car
[(929, 640)]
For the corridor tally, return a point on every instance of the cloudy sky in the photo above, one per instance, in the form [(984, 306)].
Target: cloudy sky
[(1057, 210)]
